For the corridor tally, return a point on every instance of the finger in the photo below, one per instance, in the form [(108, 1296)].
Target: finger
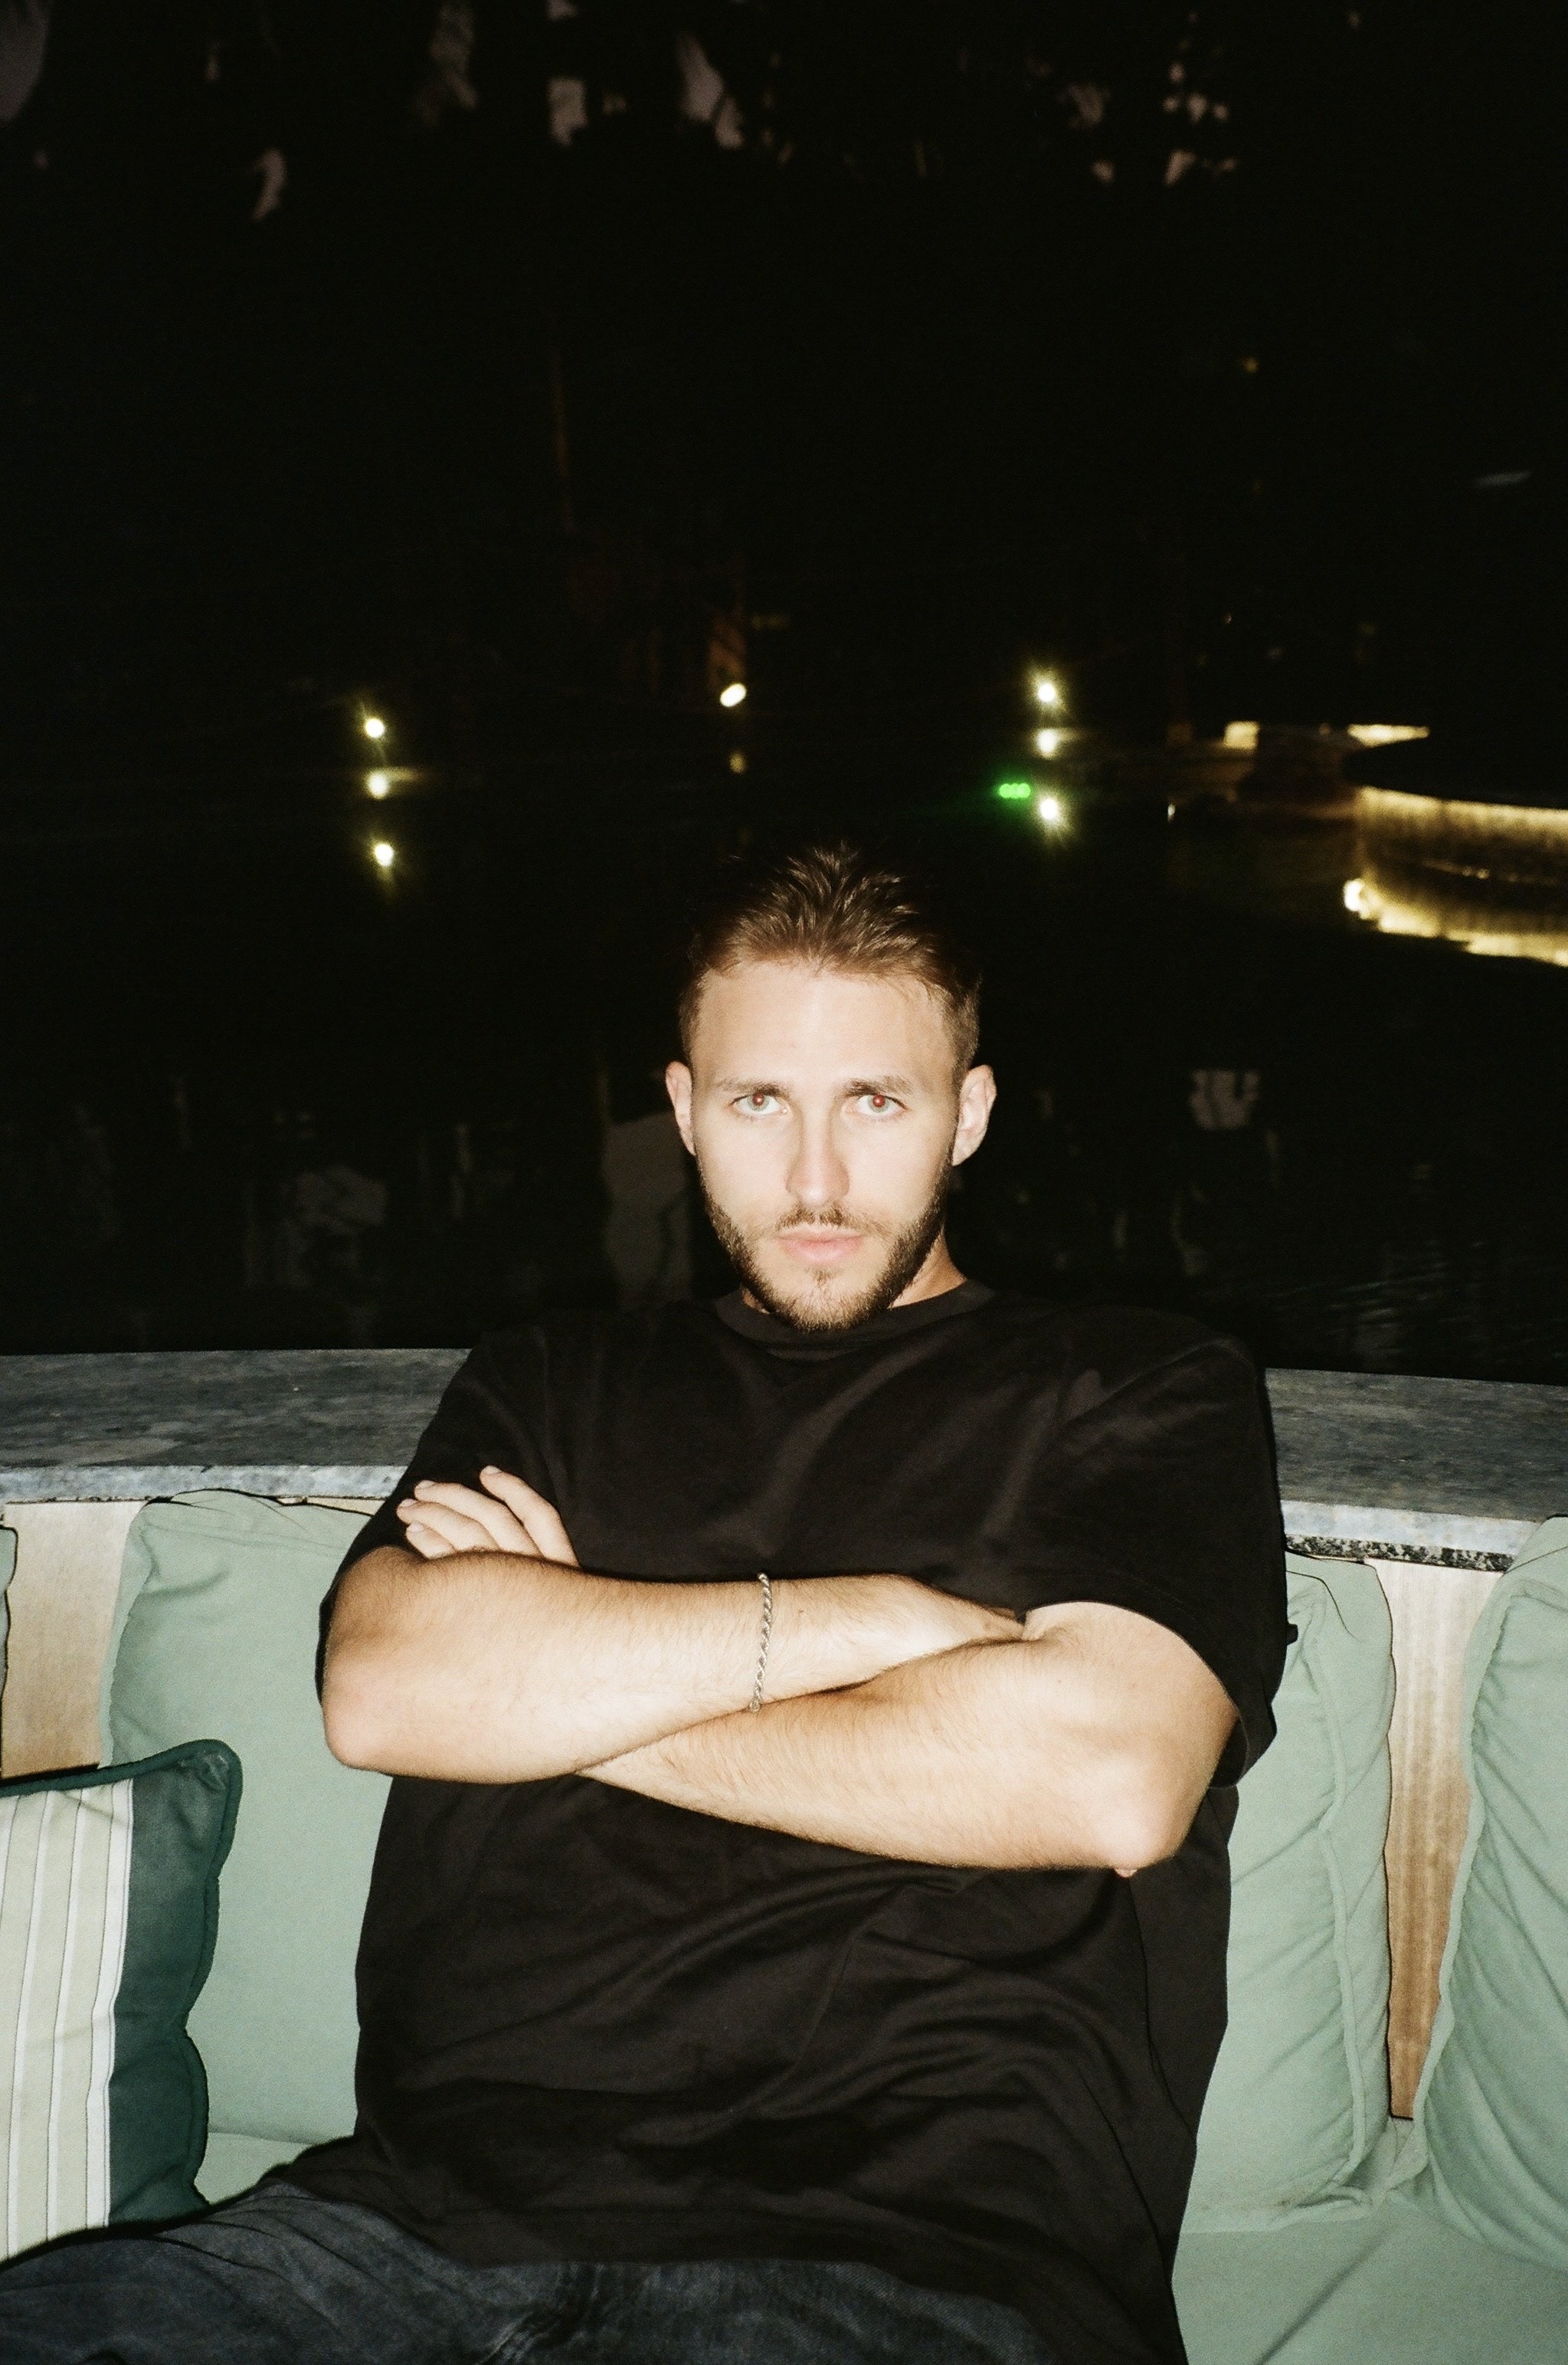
[(426, 1543), (462, 1534), (506, 1532), (542, 1520)]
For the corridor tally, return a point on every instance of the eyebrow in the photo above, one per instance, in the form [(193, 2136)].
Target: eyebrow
[(891, 1085)]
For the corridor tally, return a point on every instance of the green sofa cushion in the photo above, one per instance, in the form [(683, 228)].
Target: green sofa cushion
[(1297, 2109), (233, 2164), (1392, 2286), (108, 1909), (216, 1632), (1490, 2148), (216, 1628)]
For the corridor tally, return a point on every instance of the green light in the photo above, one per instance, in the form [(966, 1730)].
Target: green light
[(1013, 792)]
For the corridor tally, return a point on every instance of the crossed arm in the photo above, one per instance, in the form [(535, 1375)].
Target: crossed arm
[(900, 1721)]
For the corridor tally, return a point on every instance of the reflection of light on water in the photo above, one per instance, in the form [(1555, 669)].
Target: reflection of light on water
[(1418, 911), (1388, 734), (1491, 877), (1524, 846)]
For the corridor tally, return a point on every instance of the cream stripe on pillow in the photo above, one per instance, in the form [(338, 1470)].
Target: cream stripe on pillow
[(110, 1965), (65, 1860), (65, 2081)]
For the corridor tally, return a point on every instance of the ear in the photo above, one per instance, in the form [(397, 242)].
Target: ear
[(678, 1084), (977, 1097)]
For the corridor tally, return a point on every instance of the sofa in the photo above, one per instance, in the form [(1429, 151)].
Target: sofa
[(1383, 2161)]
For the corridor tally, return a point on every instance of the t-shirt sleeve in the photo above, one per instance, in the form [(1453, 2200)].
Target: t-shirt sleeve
[(492, 1412), (1158, 1494)]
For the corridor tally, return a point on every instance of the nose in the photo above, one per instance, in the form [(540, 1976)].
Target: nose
[(818, 1177)]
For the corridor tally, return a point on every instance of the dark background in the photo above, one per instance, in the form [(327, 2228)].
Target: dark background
[(583, 359)]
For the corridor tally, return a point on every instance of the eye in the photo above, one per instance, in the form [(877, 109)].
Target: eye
[(879, 1103), (757, 1103)]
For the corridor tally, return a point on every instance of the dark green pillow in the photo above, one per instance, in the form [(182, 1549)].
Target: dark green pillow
[(108, 1911)]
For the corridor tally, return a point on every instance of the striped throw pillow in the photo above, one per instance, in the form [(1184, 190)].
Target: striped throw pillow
[(108, 1911)]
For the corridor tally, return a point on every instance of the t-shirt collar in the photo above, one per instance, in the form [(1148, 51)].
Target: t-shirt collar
[(894, 1322)]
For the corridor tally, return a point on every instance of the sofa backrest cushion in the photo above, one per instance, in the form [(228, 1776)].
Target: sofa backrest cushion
[(1489, 2149), (109, 1908), (1297, 2109), (215, 1631)]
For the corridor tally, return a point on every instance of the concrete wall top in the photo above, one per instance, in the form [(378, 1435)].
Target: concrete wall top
[(1441, 1463)]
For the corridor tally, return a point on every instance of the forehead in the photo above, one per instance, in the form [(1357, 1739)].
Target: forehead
[(784, 1017)]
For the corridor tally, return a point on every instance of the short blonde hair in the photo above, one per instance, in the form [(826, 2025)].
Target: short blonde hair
[(832, 907)]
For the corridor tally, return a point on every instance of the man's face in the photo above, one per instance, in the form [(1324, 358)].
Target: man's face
[(825, 1119)]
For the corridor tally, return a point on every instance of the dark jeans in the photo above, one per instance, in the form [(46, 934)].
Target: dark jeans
[(279, 2277)]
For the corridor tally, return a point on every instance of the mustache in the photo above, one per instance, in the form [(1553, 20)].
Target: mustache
[(826, 1220)]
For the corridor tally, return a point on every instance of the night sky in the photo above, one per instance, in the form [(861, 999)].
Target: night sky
[(525, 372), (1170, 341)]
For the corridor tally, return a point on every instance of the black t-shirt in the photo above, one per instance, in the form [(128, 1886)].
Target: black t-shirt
[(595, 2026)]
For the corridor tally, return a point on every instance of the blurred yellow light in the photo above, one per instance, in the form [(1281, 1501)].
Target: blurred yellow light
[(373, 727), (1243, 736), (1388, 734), (1051, 810), (734, 695), (379, 783), (737, 760), (1491, 879), (1048, 690), (1047, 742), (383, 855), (1354, 892)]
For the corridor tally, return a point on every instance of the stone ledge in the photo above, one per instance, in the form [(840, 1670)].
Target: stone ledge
[(141, 1482), (1363, 1457)]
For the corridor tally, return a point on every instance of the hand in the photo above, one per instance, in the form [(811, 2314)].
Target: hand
[(510, 1516)]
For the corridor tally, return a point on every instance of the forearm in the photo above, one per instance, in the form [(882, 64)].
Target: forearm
[(493, 1667), (981, 1756)]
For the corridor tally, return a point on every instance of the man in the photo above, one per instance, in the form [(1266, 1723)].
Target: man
[(799, 1925)]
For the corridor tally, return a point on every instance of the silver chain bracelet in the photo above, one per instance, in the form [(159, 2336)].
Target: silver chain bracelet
[(766, 1638)]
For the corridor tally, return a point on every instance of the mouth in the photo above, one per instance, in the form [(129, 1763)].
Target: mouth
[(820, 1249)]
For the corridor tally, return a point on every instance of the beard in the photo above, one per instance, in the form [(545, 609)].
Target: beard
[(816, 1306)]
